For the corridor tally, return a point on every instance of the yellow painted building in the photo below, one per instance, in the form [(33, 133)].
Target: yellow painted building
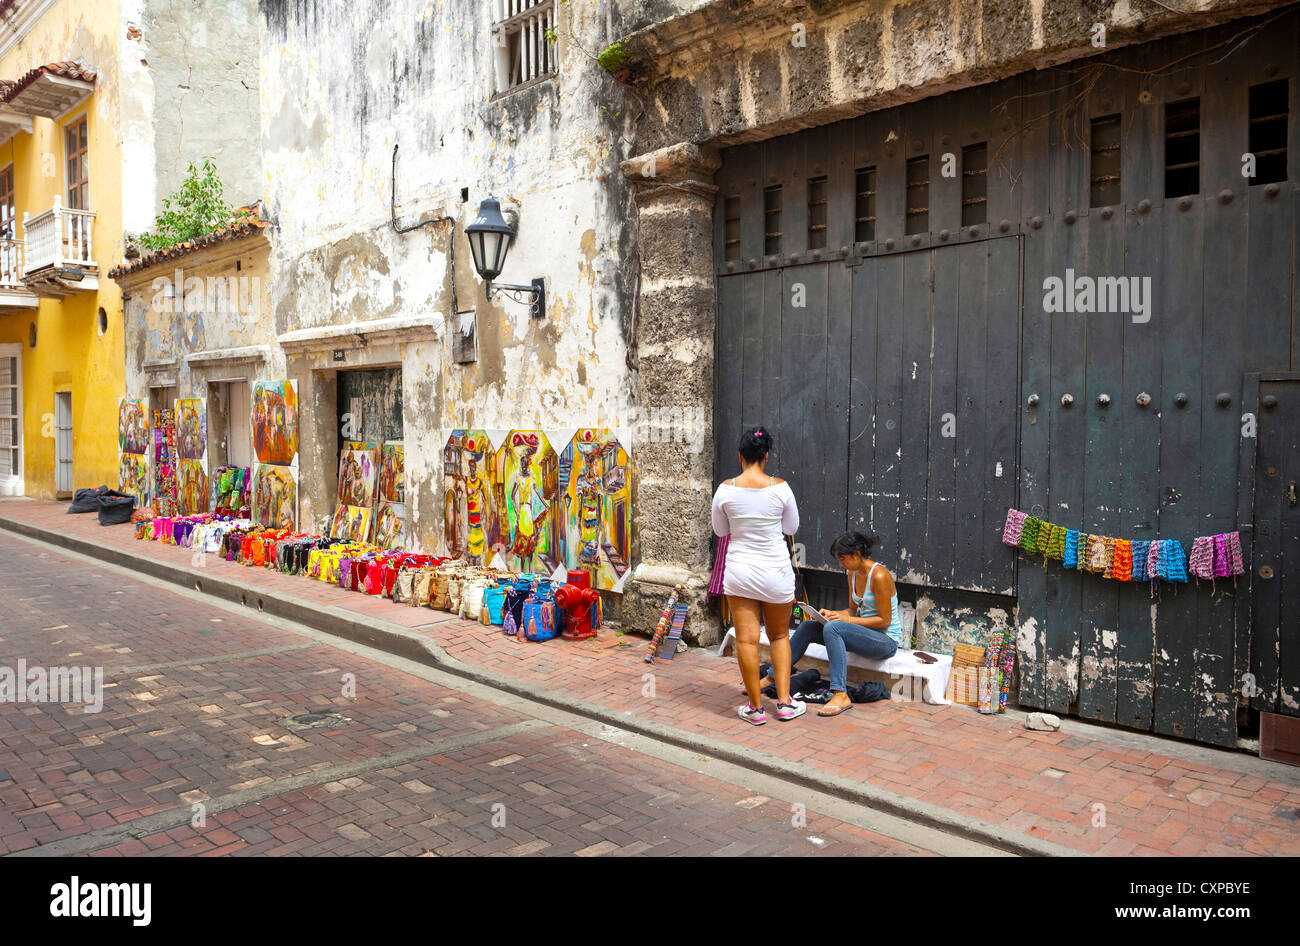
[(61, 328)]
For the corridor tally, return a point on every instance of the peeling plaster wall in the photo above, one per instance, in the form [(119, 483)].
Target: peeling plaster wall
[(202, 63), (159, 338), (728, 71), (340, 85)]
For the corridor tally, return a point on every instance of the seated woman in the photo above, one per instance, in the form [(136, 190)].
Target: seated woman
[(874, 631)]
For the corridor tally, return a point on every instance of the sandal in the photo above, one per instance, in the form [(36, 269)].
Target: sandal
[(835, 710)]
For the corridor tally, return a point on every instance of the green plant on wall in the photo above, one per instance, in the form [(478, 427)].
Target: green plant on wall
[(612, 58), (196, 209)]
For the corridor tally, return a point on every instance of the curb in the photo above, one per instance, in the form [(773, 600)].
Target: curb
[(399, 641)]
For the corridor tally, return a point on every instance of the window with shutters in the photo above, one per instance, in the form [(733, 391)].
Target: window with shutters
[(11, 421), (521, 41)]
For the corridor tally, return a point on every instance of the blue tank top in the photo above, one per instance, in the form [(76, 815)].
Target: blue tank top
[(866, 605)]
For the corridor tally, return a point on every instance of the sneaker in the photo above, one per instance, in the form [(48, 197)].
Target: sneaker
[(753, 714), (792, 710)]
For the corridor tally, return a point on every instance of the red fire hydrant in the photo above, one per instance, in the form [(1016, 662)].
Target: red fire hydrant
[(576, 599)]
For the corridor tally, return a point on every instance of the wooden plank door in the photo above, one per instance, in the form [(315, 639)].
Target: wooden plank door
[(1275, 625)]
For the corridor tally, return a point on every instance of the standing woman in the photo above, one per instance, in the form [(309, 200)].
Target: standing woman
[(757, 511)]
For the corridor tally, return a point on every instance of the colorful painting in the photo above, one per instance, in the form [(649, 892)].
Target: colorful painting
[(594, 492), (132, 426), (351, 523), (133, 476), (390, 525), (192, 484), (392, 472), (358, 477), (166, 483), (275, 496), (472, 498), (191, 428), (275, 422), (530, 485)]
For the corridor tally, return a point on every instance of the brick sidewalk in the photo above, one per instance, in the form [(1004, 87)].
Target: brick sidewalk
[(1045, 785)]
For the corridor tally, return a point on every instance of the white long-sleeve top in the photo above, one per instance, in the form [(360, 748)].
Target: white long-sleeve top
[(758, 562)]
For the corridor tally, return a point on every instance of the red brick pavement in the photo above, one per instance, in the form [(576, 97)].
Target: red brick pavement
[(208, 724), (1047, 785)]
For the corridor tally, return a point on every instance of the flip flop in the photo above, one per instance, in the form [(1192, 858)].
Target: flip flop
[(837, 711)]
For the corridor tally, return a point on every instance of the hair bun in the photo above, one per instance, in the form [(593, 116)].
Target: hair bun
[(755, 444)]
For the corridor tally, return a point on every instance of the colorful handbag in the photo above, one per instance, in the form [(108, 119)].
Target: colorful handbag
[(374, 578), (539, 619), (494, 600)]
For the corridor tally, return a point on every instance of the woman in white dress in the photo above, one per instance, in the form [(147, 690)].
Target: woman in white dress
[(757, 511)]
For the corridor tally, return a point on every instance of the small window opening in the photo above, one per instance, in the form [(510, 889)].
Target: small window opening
[(1183, 148), (864, 209), (772, 220), (918, 194), (974, 184), (1104, 173), (1269, 105), (816, 213)]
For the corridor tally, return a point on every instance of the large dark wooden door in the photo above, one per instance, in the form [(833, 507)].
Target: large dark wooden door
[(1275, 625), (890, 384)]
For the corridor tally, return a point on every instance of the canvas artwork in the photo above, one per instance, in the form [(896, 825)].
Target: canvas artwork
[(166, 480), (530, 486), (390, 525), (351, 523), (472, 497), (275, 496), (275, 422), (596, 501), (192, 486), (392, 472), (358, 477), (191, 428), (132, 426), (133, 476)]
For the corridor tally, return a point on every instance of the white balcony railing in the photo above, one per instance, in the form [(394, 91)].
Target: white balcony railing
[(59, 237), (11, 263)]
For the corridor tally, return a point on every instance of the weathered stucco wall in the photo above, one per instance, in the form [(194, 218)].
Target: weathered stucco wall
[(341, 85), (214, 299), (730, 71), (202, 63)]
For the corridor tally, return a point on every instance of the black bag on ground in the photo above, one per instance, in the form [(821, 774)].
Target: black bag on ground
[(868, 692), (115, 510), (87, 500)]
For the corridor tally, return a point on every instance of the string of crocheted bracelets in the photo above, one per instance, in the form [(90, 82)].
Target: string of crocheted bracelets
[(1122, 559)]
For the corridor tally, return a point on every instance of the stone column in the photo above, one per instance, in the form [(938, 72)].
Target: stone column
[(673, 452)]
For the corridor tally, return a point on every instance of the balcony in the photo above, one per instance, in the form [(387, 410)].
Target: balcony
[(58, 256), (15, 297)]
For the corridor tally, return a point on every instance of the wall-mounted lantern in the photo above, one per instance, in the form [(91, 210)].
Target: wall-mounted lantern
[(490, 236)]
